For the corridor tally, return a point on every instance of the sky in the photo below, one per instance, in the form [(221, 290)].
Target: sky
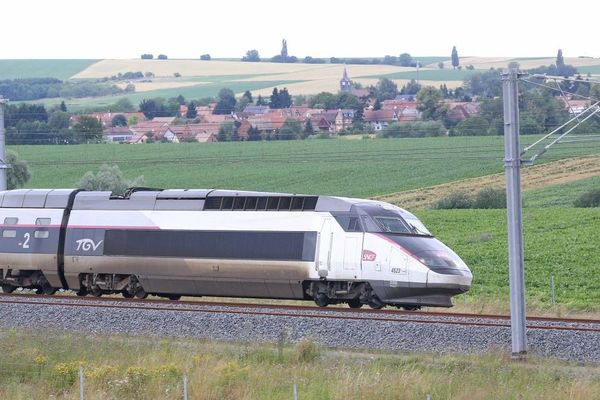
[(186, 29)]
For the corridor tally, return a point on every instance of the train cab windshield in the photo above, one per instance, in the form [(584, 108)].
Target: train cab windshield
[(379, 219)]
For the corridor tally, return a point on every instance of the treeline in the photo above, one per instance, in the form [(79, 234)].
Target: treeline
[(42, 88)]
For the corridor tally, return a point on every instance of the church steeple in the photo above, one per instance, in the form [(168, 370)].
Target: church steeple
[(345, 82)]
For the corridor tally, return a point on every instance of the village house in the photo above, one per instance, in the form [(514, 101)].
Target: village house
[(118, 134), (380, 119)]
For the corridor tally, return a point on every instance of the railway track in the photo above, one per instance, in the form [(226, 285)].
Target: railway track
[(292, 311)]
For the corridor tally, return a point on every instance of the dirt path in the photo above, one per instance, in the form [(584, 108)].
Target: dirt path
[(534, 177)]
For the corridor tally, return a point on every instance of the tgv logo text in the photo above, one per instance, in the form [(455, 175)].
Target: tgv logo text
[(87, 245)]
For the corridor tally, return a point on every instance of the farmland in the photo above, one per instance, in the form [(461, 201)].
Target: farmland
[(60, 69), (198, 79), (361, 168)]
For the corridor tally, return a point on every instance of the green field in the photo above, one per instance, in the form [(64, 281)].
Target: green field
[(360, 168), (189, 92), (560, 195), (60, 69), (42, 366), (559, 242), (446, 74), (592, 69)]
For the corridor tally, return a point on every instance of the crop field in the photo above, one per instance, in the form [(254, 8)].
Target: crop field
[(361, 168), (441, 75), (115, 367), (60, 69), (559, 242), (560, 195)]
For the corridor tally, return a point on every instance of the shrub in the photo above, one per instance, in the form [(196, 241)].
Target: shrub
[(490, 198), (588, 199), (416, 129), (456, 199), (472, 126), (306, 351)]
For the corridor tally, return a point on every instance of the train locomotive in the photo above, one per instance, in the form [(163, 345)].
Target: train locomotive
[(197, 242)]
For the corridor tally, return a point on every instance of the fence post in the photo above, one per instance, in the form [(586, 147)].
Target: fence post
[(295, 392), (553, 292), (80, 383), (185, 387), (428, 397)]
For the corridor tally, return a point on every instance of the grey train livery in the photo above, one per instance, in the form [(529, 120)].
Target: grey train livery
[(197, 242)]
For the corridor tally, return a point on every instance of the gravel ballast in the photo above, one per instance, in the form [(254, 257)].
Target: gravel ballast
[(228, 324)]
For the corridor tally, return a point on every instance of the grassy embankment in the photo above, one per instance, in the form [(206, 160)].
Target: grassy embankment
[(45, 366)]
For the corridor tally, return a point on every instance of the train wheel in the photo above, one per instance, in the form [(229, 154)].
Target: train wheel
[(82, 292), (174, 297), (411, 308), (96, 291), (140, 293), (48, 290), (127, 294), (355, 303), (322, 300), (8, 288), (375, 303)]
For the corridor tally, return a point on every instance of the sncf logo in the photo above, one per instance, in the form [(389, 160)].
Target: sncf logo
[(87, 245), (369, 255)]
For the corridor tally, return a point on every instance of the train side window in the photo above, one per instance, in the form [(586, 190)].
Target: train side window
[(238, 203), (11, 221), (227, 203), (261, 203), (41, 234), (348, 223), (43, 221), (9, 233), (297, 203), (272, 203), (284, 203), (250, 203)]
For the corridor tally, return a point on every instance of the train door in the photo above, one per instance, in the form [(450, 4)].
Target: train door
[(325, 248)]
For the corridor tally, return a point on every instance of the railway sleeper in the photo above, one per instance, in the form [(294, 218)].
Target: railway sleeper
[(355, 294)]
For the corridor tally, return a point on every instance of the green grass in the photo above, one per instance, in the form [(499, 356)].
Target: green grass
[(189, 92), (447, 74), (38, 366), (560, 195), (559, 242), (60, 69), (360, 168)]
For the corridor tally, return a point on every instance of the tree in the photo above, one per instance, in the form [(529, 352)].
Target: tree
[(290, 130), (308, 129), (191, 110), (285, 100), (147, 56), (455, 60), (162, 57), (226, 103), (254, 134), (260, 101), (251, 56), (560, 61), (405, 60), (118, 120), (248, 96), (109, 178), (63, 106), (385, 89), (59, 121), (150, 108), (122, 105), (227, 131), (133, 120), (18, 174), (472, 126), (205, 57), (88, 129), (275, 99), (411, 88), (430, 103)]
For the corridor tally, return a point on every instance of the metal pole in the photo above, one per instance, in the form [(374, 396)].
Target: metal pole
[(512, 165), (185, 387), (80, 383), (295, 392), (3, 164)]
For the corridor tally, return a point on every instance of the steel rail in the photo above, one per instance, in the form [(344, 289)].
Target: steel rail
[(263, 310)]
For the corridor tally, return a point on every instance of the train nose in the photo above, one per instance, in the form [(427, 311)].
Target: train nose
[(446, 271)]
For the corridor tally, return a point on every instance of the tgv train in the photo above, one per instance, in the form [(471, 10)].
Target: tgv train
[(175, 243)]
